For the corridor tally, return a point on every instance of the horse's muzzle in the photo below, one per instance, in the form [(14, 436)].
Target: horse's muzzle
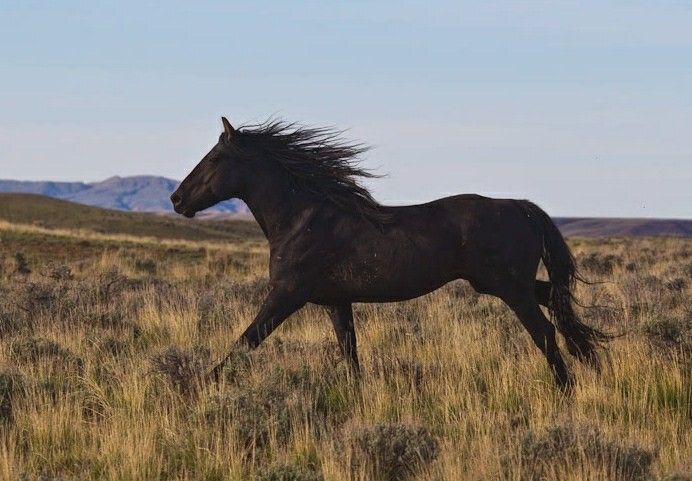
[(179, 207)]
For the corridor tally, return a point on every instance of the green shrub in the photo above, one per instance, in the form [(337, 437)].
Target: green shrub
[(602, 264), (677, 477), (32, 349), (146, 265), (253, 413), (21, 264), (11, 385), (568, 448), (392, 451), (290, 472), (184, 369), (671, 332)]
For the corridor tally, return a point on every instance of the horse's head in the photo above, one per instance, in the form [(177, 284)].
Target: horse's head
[(218, 177)]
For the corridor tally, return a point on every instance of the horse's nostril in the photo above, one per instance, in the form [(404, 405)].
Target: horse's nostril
[(176, 198)]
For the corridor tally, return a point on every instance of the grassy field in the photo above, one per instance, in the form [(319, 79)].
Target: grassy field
[(104, 333)]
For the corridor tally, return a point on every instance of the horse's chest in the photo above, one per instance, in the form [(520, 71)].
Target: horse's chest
[(306, 261)]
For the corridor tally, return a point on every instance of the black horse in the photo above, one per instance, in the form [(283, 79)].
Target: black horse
[(332, 244)]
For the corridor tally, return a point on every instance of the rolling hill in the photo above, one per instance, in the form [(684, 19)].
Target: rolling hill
[(52, 213), (142, 193), (617, 227)]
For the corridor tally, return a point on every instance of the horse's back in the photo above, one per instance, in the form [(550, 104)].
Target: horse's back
[(482, 229), (470, 215), (423, 247)]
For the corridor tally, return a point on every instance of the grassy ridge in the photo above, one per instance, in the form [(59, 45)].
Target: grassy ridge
[(59, 214), (103, 337)]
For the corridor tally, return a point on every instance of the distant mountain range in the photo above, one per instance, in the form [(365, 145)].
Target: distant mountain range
[(144, 193)]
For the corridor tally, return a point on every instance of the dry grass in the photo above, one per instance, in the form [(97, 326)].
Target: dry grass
[(100, 360)]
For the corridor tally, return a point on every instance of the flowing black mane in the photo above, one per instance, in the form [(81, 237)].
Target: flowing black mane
[(318, 161)]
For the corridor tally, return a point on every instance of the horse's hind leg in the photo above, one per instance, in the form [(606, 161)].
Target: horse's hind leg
[(543, 334), (543, 292)]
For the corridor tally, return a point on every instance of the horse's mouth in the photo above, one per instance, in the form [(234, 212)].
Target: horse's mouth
[(187, 212)]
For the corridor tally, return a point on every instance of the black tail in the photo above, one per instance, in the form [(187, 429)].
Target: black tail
[(582, 341)]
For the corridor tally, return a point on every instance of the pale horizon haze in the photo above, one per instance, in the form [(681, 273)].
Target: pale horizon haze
[(583, 107)]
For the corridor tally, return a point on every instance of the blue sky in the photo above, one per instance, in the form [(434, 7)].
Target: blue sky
[(584, 107)]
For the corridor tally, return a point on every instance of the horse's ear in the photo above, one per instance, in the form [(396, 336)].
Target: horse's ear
[(227, 128)]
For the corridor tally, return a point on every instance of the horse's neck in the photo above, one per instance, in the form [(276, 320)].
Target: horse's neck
[(277, 208)]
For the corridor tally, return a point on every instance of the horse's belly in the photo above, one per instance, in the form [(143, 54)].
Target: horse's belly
[(388, 294), (383, 282)]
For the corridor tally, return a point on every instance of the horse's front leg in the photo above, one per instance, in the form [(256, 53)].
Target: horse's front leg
[(278, 305), (342, 319)]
